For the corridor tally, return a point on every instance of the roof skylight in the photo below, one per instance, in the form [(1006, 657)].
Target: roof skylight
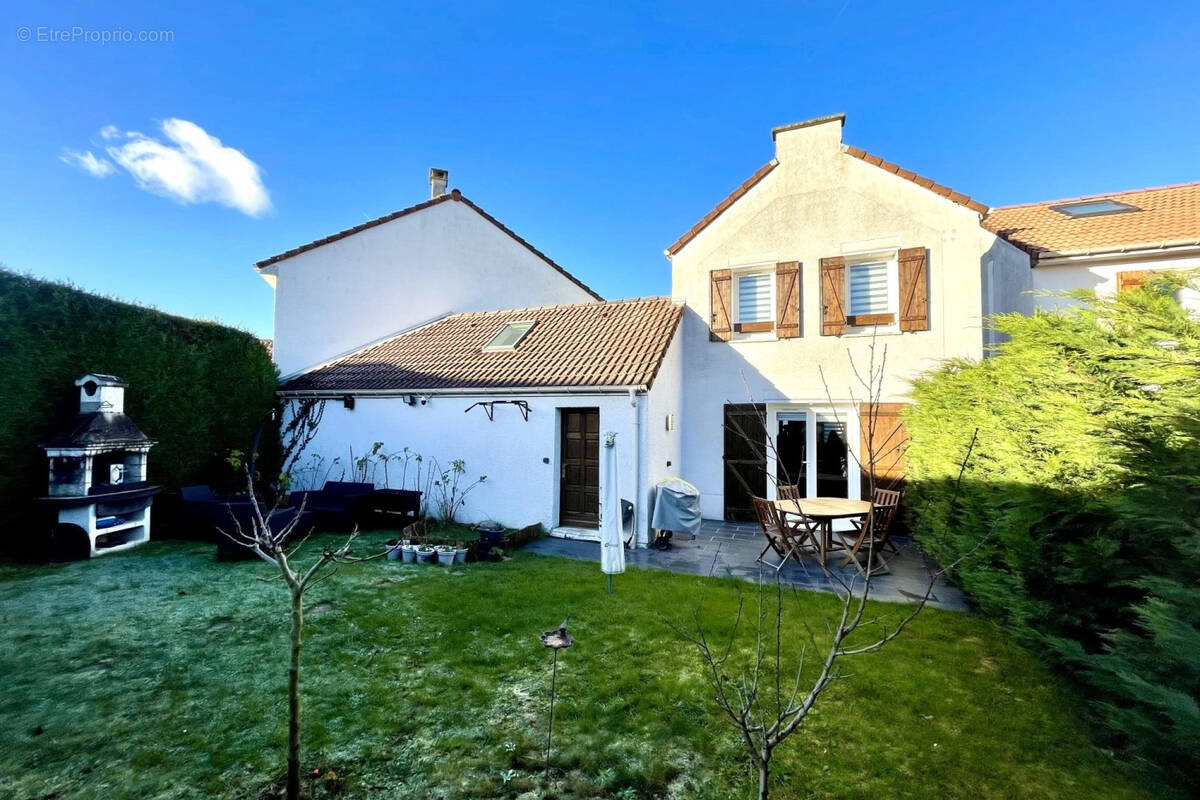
[(509, 336), (1093, 208)]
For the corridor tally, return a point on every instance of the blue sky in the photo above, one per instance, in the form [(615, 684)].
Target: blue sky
[(599, 133)]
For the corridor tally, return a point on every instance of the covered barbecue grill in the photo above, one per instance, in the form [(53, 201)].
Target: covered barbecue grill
[(676, 509), (98, 474)]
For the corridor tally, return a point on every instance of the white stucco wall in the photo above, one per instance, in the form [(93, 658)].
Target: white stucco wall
[(440, 260), (820, 202), (1099, 274), (521, 459), (1007, 282), (663, 446)]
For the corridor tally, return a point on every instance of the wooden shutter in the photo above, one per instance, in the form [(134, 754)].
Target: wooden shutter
[(914, 289), (889, 440), (720, 297), (787, 299), (833, 296), (1133, 279)]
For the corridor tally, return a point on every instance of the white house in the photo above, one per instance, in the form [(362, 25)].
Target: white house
[(789, 277), (1107, 243), (438, 329), (523, 397), (443, 256)]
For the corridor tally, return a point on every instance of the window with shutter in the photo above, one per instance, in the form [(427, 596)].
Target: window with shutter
[(869, 288), (753, 300)]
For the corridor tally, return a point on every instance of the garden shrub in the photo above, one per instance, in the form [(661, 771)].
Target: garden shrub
[(1082, 497), (198, 388)]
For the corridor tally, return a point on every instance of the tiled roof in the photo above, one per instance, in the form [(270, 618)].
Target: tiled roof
[(925, 183), (456, 196), (1168, 215), (619, 343), (733, 197)]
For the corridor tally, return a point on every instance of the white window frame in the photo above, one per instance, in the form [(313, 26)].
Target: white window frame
[(891, 257), (500, 348), (745, 271), (846, 414)]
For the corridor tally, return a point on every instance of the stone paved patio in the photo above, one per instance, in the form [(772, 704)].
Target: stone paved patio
[(730, 549)]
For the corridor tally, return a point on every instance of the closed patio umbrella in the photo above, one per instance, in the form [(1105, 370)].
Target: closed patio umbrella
[(612, 548)]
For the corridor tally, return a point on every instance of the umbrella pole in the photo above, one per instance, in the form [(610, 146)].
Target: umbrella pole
[(610, 589)]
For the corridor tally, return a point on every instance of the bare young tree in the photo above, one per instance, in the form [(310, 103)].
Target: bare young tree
[(270, 538), (768, 698)]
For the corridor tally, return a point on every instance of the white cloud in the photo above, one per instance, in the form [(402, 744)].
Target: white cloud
[(88, 162), (192, 167)]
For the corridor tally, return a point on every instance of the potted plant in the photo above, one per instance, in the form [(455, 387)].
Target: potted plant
[(425, 554), (491, 533), (445, 554), (408, 552), (395, 548), (460, 553)]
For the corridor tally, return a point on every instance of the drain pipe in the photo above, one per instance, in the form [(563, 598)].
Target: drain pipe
[(635, 409)]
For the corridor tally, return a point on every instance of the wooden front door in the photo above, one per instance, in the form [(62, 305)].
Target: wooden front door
[(745, 459), (579, 477)]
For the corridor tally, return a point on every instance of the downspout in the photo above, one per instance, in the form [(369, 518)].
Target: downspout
[(635, 409)]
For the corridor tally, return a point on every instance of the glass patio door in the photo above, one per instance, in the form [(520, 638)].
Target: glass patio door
[(811, 451)]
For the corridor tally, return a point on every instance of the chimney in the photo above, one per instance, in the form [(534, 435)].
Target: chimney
[(438, 178)]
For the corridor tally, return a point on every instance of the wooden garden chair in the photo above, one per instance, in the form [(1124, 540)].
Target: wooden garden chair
[(787, 539), (872, 533), (788, 492)]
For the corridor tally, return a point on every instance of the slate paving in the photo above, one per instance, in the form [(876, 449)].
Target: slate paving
[(730, 549)]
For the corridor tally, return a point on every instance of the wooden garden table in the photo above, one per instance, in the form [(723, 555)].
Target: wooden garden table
[(825, 510)]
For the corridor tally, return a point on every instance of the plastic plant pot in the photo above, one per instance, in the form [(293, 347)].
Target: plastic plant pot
[(445, 555), (460, 555), (426, 554), (395, 549), (409, 553)]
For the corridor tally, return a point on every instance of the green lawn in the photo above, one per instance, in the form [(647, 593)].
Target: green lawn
[(160, 673)]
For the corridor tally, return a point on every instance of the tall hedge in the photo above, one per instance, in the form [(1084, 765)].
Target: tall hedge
[(1081, 502), (200, 389)]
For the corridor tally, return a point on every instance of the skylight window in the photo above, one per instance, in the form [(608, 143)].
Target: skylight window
[(509, 336), (1092, 208)]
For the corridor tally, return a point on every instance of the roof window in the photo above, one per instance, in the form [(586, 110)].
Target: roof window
[(509, 336), (1093, 208)]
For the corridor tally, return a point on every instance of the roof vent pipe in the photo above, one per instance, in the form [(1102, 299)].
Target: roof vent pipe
[(438, 178)]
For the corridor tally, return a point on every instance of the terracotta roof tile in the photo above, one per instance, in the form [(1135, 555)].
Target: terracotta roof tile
[(1166, 215), (733, 197), (925, 183), (455, 195), (620, 343)]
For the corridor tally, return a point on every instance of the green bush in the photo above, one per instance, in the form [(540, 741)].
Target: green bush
[(1081, 503), (200, 389)]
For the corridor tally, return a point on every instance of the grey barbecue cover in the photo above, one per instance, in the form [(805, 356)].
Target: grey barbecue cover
[(676, 507)]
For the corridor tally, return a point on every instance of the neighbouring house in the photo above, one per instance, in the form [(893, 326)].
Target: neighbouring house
[(1107, 243), (523, 396), (438, 329), (443, 256), (823, 250)]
